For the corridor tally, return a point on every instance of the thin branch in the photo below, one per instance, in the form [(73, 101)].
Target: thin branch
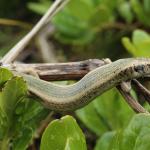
[(121, 26), (145, 92), (131, 101), (59, 71), (10, 22), (14, 52), (46, 47)]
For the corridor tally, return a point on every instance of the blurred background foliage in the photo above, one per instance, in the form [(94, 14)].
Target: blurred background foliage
[(85, 29)]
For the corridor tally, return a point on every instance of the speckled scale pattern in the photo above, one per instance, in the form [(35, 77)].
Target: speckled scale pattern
[(71, 97)]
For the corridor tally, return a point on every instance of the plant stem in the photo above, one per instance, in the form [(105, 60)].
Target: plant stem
[(5, 143)]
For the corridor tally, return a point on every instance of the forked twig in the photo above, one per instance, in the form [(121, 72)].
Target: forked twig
[(144, 91), (131, 101)]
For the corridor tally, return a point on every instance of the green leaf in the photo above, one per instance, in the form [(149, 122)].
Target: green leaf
[(135, 136), (68, 24), (40, 8), (125, 11), (140, 12), (101, 15), (68, 31), (91, 119), (33, 113), (23, 140), (11, 94), (104, 141), (13, 91), (140, 45), (19, 114), (28, 115), (140, 36), (129, 46), (107, 112), (4, 75), (83, 12), (112, 107), (63, 134), (146, 6)]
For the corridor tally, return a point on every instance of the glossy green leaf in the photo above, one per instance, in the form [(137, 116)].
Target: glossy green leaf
[(129, 46), (12, 93), (141, 40), (33, 113), (13, 90), (107, 112), (104, 141), (28, 116), (140, 36), (22, 141), (140, 44), (19, 114), (135, 136), (63, 134), (113, 108), (91, 119), (4, 75)]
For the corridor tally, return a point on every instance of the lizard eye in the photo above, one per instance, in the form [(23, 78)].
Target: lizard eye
[(139, 68)]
